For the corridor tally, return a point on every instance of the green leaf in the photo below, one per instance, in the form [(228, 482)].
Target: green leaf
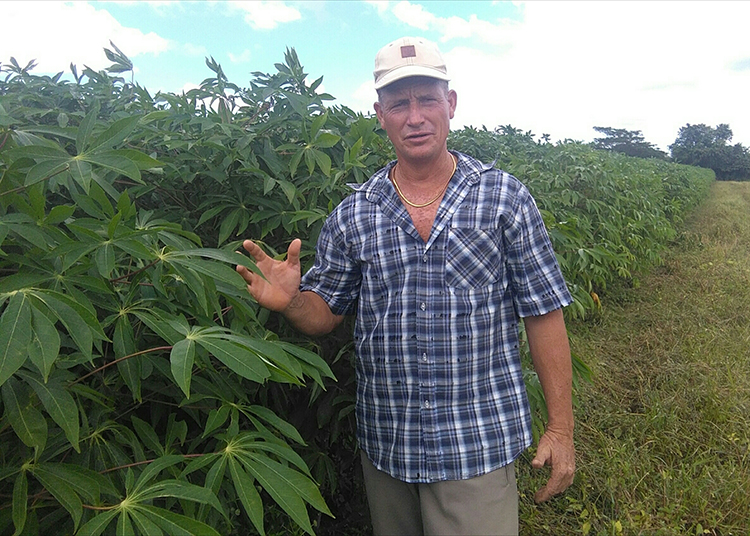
[(145, 526), (289, 189), (238, 359), (217, 271), (59, 214), (181, 359), (85, 128), (147, 435), (324, 162), (44, 170), (59, 404), (216, 417), (160, 326), (114, 135), (39, 153), (15, 335), (176, 524), (115, 162), (105, 259), (20, 281), (87, 483), (124, 526), (229, 224), (81, 173), (231, 257), (180, 489), (123, 342), (308, 357), (61, 491), (45, 342), (96, 525), (277, 422), (249, 496), (27, 421), (326, 140), (281, 485), (20, 501), (153, 469)]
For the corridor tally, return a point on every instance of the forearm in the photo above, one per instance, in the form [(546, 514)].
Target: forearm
[(310, 314), (550, 354)]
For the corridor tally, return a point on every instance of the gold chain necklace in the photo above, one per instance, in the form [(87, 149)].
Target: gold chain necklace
[(428, 203)]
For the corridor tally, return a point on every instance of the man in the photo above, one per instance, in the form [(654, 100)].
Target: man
[(439, 255)]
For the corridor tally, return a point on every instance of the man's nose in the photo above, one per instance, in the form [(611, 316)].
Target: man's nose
[(415, 114)]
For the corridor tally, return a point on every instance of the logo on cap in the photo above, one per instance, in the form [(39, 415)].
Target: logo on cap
[(408, 51)]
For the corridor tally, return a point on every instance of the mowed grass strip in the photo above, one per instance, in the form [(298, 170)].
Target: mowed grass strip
[(663, 433)]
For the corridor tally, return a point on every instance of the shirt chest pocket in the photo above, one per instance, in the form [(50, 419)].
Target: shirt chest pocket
[(472, 258)]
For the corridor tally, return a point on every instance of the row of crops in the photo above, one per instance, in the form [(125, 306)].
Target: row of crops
[(142, 390)]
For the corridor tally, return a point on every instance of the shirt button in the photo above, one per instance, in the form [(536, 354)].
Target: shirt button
[(427, 404), (423, 306), (424, 259), (424, 357)]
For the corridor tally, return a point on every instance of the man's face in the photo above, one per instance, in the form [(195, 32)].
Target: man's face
[(416, 114)]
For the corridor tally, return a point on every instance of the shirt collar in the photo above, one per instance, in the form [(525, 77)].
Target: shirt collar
[(469, 169)]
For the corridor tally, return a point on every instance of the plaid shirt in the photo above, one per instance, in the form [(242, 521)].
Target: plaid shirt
[(440, 393)]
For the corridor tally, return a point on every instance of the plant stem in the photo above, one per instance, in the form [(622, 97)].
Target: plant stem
[(123, 358), (21, 188), (149, 265)]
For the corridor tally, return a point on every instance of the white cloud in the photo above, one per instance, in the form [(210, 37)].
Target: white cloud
[(194, 50), (267, 15), (243, 57), (416, 16), (570, 66), (71, 31), (380, 5)]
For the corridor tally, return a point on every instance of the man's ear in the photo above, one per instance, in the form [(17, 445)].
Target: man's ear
[(452, 100), (379, 113)]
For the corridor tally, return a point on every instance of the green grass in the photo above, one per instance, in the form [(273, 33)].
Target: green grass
[(663, 432)]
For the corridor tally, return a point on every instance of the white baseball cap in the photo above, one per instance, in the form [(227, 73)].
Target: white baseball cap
[(408, 56)]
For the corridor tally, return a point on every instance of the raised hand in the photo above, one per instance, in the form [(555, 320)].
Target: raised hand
[(282, 278)]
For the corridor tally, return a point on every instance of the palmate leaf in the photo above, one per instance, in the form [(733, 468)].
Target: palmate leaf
[(61, 491), (237, 358), (85, 482), (20, 502), (282, 484), (27, 421), (181, 360), (179, 489), (15, 335), (58, 403), (175, 524), (96, 525), (249, 496)]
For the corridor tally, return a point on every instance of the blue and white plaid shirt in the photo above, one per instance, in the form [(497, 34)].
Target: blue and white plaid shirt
[(440, 393)]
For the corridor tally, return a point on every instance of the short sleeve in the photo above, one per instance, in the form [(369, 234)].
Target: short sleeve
[(535, 276), (334, 276)]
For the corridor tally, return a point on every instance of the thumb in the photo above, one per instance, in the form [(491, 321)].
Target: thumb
[(292, 254)]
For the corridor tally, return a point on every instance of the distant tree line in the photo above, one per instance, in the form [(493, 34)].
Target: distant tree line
[(696, 145)]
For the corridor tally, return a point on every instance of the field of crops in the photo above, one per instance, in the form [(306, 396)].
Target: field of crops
[(142, 390)]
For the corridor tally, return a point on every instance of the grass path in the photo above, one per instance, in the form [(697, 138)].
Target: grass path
[(663, 432)]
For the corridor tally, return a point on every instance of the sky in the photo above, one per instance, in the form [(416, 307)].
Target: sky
[(558, 68)]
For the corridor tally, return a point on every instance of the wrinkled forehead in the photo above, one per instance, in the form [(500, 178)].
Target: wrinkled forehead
[(413, 85)]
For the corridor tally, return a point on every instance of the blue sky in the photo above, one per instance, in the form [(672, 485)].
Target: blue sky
[(559, 68)]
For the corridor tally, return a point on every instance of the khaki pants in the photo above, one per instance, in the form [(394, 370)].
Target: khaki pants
[(486, 505)]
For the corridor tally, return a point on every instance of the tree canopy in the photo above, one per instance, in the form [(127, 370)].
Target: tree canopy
[(708, 147), (629, 142)]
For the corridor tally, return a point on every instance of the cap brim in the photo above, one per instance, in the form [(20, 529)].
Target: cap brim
[(408, 71)]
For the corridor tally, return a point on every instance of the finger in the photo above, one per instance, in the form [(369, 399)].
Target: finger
[(542, 457), (254, 250), (292, 253), (246, 274)]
